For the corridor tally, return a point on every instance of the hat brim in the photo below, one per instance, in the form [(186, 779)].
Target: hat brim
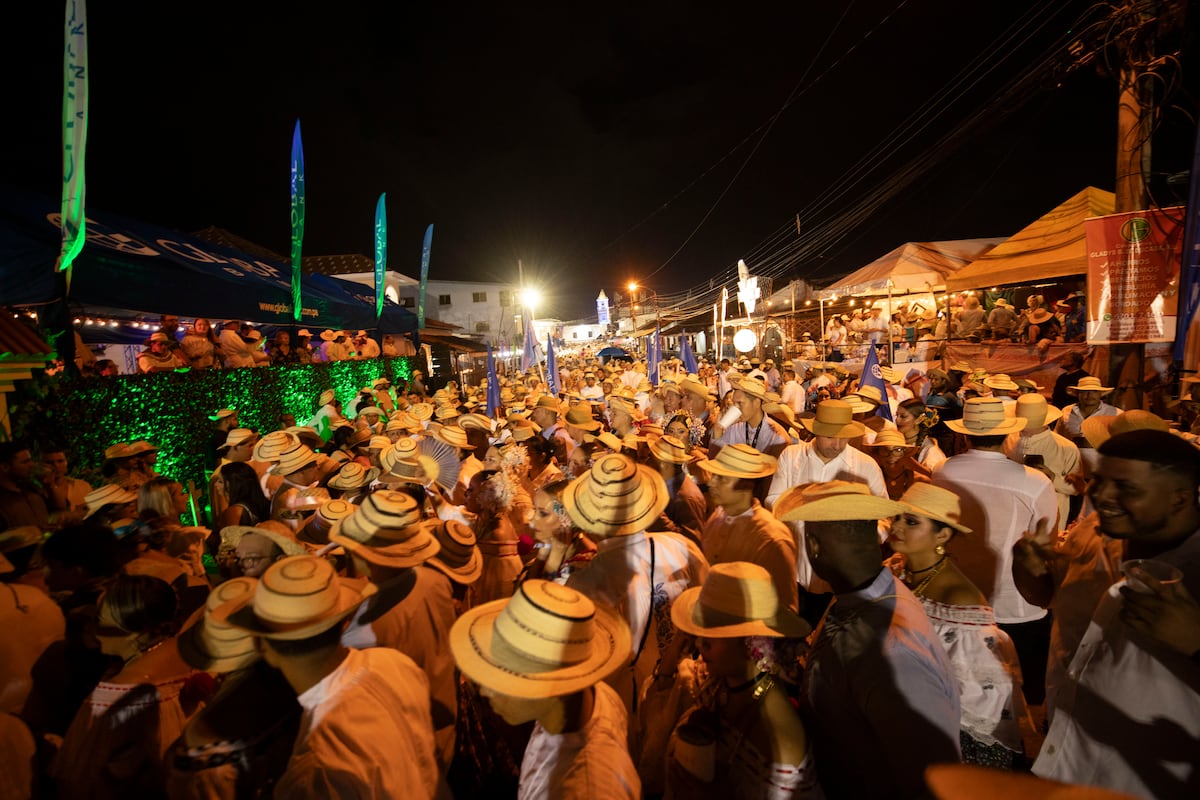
[(1053, 415), (467, 574), (1102, 389), (790, 507), (1009, 425), (474, 645), (412, 552), (368, 476), (240, 614), (594, 425), (193, 651), (232, 534), (921, 512), (688, 616), (618, 521), (715, 466), (851, 430)]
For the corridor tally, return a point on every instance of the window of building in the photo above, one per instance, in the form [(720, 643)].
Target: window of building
[(408, 302), (575, 335), (478, 297), (443, 299), (505, 298), (483, 327)]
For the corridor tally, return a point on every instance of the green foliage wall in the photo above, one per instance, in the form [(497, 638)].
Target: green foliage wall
[(170, 409)]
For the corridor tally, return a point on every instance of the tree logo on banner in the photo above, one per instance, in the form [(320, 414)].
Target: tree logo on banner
[(1135, 230)]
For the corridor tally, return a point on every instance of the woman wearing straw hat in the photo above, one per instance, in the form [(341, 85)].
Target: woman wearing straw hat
[(366, 729), (489, 497), (916, 420), (981, 655), (744, 740), (896, 459), (561, 547), (542, 656), (241, 738)]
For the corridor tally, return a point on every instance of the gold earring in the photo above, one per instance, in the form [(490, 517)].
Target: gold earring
[(940, 550)]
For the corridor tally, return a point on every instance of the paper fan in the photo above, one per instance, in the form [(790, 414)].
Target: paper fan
[(446, 458)]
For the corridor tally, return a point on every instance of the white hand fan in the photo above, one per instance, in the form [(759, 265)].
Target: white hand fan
[(445, 456)]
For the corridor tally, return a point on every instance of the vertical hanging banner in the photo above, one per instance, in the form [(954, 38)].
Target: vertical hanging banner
[(687, 356), (75, 103), (551, 366), (654, 356), (1187, 340), (297, 218), (1133, 276), (380, 253), (426, 249), (493, 385), (529, 357)]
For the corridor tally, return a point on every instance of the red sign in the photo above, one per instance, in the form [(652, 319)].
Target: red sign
[(1133, 276)]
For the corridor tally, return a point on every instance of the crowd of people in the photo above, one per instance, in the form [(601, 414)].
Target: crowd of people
[(757, 580)]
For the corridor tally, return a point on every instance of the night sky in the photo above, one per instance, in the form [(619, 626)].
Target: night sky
[(589, 143)]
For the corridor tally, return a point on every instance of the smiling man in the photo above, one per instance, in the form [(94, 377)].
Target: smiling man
[(1128, 716), (754, 427)]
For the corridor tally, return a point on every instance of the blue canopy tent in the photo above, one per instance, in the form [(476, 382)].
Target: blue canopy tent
[(143, 268)]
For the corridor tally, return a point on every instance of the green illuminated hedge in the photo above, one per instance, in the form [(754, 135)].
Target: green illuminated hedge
[(170, 409)]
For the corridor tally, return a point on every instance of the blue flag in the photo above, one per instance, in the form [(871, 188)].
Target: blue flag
[(873, 376), (297, 218), (551, 367), (380, 252), (1189, 290), (529, 351), (654, 357), (688, 357), (426, 250), (493, 387)]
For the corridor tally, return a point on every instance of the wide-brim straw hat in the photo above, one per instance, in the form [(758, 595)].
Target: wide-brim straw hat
[(231, 535), (890, 375), (889, 437), (296, 598), (222, 414), (212, 646), (106, 495), (118, 451), (453, 436), (1089, 384), (740, 461), (1040, 315), (580, 417), (670, 450), (381, 383), (616, 497), (1000, 382), (328, 335), (326, 397), (326, 516), (476, 421), (936, 503), (422, 411), (833, 501), (609, 439), (872, 394), (1098, 430), (835, 419), (971, 782), (238, 436), (458, 559), (751, 387), (386, 530), (142, 446), (273, 445), (545, 641), (1036, 411), (960, 366), (353, 476), (295, 459), (20, 537), (370, 411), (737, 599), (985, 416), (691, 386), (860, 404)]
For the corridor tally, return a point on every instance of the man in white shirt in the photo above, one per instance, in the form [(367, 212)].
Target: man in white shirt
[(235, 351), (1128, 716), (1001, 500), (590, 391), (827, 457), (792, 394), (754, 427), (726, 374), (1089, 402)]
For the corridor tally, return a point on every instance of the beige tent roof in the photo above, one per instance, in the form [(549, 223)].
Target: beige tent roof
[(1051, 247), (913, 266)]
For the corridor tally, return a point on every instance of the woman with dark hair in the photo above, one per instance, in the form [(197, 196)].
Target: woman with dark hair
[(115, 746), (199, 345), (561, 547), (543, 454), (489, 497), (246, 503), (915, 420)]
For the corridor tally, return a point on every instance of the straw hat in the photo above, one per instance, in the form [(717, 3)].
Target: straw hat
[(231, 535), (833, 501), (740, 461), (960, 366), (381, 383), (936, 503), (751, 387), (142, 446), (222, 414), (386, 531), (690, 385), (985, 416), (453, 436), (580, 417), (1039, 315), (523, 432), (118, 450), (1026, 384), (871, 394), (20, 537), (609, 439), (370, 411), (316, 531), (545, 641), (295, 459), (297, 598), (106, 495), (353, 476), (1000, 382), (327, 335), (890, 375), (475, 421), (459, 559), (236, 437), (1036, 412), (214, 646), (1098, 430), (737, 599), (616, 497), (888, 437), (548, 402), (273, 445), (1089, 384), (834, 418), (422, 411), (325, 398), (860, 404), (970, 782), (670, 450)]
